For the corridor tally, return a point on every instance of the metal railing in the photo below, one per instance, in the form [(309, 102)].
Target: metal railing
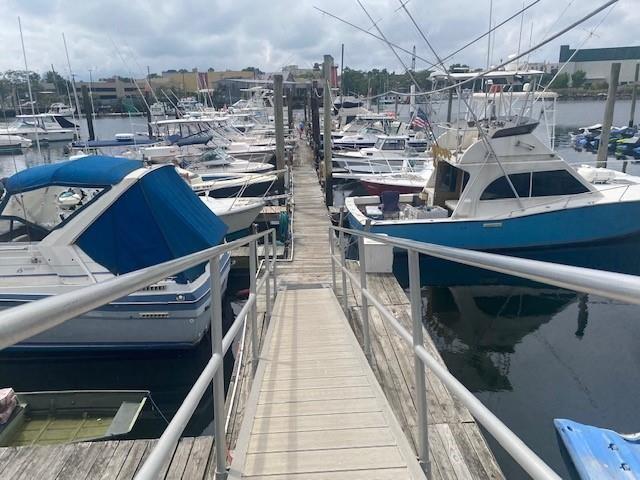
[(617, 286), (24, 321)]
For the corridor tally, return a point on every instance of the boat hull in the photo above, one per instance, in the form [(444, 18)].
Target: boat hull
[(376, 165), (48, 136), (598, 236), (145, 320)]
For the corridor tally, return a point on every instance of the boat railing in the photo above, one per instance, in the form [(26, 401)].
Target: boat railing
[(616, 286), (24, 321)]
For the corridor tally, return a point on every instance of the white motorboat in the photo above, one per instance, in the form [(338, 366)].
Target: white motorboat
[(157, 109), (219, 163), (407, 181), (13, 143), (72, 224), (365, 137), (237, 213), (249, 185), (389, 154), (61, 109), (43, 127)]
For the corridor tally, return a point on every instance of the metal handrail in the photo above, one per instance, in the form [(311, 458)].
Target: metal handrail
[(24, 321), (608, 284)]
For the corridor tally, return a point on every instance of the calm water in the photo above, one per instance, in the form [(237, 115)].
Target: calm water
[(530, 353)]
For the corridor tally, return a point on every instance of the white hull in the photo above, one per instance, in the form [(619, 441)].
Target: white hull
[(146, 319), (63, 135), (379, 165), (237, 213)]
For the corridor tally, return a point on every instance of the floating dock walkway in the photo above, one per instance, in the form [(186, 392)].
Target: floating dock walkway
[(315, 409)]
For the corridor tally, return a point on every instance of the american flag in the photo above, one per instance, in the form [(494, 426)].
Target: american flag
[(420, 120)]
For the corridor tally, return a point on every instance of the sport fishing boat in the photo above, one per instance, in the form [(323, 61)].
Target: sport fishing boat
[(68, 225), (44, 127), (363, 138), (389, 154), (543, 209)]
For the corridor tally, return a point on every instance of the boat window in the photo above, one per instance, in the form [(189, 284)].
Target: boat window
[(500, 188), (555, 182), (379, 143), (448, 178), (538, 184), (14, 230), (393, 145), (48, 207)]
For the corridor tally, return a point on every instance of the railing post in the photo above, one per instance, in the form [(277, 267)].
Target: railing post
[(413, 258), (343, 264), (332, 252), (218, 378), (274, 252), (363, 299), (253, 312), (267, 267)]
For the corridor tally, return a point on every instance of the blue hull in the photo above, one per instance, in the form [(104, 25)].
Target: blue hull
[(598, 453), (605, 237)]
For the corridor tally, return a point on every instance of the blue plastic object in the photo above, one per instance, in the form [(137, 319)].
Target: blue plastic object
[(598, 453)]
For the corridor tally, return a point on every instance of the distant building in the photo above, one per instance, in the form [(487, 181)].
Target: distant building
[(191, 82), (596, 62), (109, 90)]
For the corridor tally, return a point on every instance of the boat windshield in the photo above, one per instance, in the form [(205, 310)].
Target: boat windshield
[(43, 209)]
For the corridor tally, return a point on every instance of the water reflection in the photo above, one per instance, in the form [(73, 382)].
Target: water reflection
[(476, 328)]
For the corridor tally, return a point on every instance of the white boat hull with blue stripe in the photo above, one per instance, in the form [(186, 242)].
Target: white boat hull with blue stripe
[(545, 210), (73, 224)]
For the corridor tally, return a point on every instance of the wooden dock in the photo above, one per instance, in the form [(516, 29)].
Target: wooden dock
[(259, 424)]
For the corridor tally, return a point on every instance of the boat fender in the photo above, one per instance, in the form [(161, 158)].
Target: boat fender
[(283, 226)]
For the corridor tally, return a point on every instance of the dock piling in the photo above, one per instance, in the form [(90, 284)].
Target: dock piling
[(88, 112), (279, 122), (327, 107), (603, 148), (634, 96)]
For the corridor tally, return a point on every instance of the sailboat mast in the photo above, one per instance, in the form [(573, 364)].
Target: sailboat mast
[(33, 105), (72, 77)]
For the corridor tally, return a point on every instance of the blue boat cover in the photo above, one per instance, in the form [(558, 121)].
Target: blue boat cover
[(598, 453), (156, 220), (91, 171)]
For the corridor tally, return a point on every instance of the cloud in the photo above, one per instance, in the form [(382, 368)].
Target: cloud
[(232, 35)]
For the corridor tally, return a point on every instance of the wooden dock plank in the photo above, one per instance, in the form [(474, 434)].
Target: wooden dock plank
[(198, 458), (179, 461)]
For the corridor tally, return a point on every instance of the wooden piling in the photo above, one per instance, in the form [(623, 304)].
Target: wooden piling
[(327, 106), (634, 96), (315, 119), (88, 111), (290, 111), (279, 122), (603, 148)]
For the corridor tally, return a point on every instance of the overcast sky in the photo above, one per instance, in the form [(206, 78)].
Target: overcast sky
[(232, 34)]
